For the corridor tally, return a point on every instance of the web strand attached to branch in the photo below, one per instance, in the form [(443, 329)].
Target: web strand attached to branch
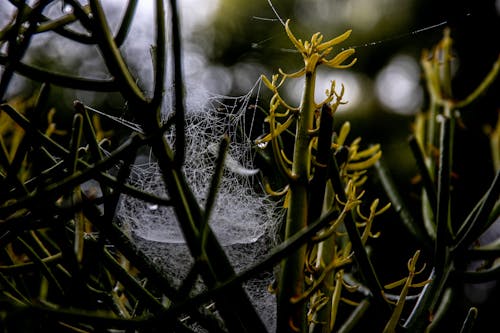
[(241, 215)]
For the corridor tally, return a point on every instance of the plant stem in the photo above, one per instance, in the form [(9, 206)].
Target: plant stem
[(291, 317)]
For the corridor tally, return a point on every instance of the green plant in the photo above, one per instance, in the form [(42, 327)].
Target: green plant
[(452, 237), (317, 187), (67, 263)]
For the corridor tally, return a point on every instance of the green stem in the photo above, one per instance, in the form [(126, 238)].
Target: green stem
[(324, 318), (428, 213), (428, 185), (481, 216), (292, 317), (62, 80), (429, 296), (235, 306), (363, 260), (324, 151), (131, 283), (439, 318), (488, 80), (47, 272), (326, 249), (159, 59), (17, 48), (467, 326), (113, 58), (126, 22), (54, 190), (355, 317), (443, 233), (180, 120), (214, 188), (400, 207)]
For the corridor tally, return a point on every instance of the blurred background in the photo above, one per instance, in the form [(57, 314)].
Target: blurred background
[(228, 44)]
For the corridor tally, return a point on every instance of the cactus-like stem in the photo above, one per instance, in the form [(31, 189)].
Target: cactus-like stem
[(292, 317)]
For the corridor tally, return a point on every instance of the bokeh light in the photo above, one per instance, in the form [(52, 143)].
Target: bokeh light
[(397, 86)]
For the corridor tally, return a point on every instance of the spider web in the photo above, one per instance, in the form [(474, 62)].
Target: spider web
[(244, 219), (241, 214)]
